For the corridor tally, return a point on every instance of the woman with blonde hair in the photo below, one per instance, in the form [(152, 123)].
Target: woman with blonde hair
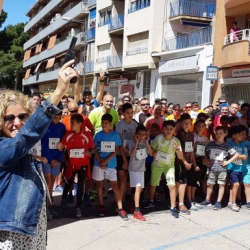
[(155, 118)]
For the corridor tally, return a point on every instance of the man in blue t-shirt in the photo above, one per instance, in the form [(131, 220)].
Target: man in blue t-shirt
[(107, 144)]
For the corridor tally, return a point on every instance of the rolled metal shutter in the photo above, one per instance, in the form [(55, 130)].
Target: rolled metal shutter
[(237, 92), (113, 90), (182, 88)]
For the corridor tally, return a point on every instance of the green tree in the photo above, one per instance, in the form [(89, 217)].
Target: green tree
[(3, 17)]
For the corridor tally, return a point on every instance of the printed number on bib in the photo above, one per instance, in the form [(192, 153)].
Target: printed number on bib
[(163, 157), (37, 149), (200, 150), (217, 154), (188, 146), (76, 153), (107, 146), (53, 143), (141, 154)]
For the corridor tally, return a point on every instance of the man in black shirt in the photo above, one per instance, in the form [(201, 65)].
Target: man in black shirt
[(144, 113)]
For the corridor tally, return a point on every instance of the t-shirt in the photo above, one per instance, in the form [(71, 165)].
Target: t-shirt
[(141, 117), (166, 151), (106, 144), (95, 117), (86, 123), (137, 162), (246, 166), (217, 153), (200, 143), (171, 117), (150, 158)]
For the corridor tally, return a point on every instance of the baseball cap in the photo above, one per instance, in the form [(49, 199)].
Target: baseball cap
[(87, 91)]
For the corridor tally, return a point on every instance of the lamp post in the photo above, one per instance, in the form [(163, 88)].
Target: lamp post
[(69, 19)]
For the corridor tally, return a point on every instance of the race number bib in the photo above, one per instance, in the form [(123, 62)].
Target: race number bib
[(53, 143), (107, 146), (217, 154), (36, 149), (200, 150), (188, 146), (194, 115), (141, 154), (125, 143), (76, 153), (163, 157), (237, 162)]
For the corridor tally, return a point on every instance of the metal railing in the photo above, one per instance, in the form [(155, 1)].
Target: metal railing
[(91, 3), (105, 22), (90, 34), (102, 59), (192, 39), (114, 61), (137, 7), (116, 22), (89, 67), (192, 8), (236, 36), (137, 51)]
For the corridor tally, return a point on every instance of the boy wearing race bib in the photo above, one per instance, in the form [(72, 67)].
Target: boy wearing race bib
[(216, 154), (138, 148), (165, 147), (236, 167), (79, 145), (107, 143)]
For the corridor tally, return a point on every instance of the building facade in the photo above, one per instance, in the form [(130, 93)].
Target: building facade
[(232, 50)]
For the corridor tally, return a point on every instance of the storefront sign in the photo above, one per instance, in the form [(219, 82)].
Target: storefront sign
[(241, 72), (184, 63), (212, 73), (119, 81)]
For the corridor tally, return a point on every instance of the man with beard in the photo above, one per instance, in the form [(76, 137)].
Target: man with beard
[(87, 105), (144, 114)]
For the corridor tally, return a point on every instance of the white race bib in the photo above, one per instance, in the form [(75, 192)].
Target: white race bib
[(217, 154), (53, 143), (237, 162), (141, 154), (36, 149), (108, 146), (194, 115), (188, 146), (76, 153), (200, 150), (125, 143), (163, 157)]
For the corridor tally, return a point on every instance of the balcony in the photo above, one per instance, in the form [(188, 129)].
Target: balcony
[(114, 62), (236, 50), (105, 22), (192, 39), (136, 7), (135, 51), (116, 24), (90, 35), (192, 10), (89, 67), (91, 3)]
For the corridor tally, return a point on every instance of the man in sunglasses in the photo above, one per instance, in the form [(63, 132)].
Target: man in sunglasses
[(144, 114), (87, 105), (220, 101)]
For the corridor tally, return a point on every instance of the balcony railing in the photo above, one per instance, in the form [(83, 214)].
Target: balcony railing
[(137, 7), (91, 3), (192, 39), (105, 22), (237, 36), (116, 22), (114, 61), (137, 51), (90, 34), (192, 8), (102, 59), (89, 67)]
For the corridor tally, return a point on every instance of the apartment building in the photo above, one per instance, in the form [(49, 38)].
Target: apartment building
[(232, 50), (187, 50)]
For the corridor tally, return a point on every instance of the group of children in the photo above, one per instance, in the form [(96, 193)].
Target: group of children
[(131, 157)]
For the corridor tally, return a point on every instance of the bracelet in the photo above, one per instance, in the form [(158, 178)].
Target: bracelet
[(177, 149), (101, 80)]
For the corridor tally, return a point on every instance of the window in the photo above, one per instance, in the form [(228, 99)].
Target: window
[(138, 4), (138, 44), (105, 17), (146, 84), (103, 53)]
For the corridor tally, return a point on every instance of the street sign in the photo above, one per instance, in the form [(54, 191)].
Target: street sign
[(212, 73)]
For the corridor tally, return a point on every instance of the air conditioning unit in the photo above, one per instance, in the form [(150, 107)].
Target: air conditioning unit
[(57, 16)]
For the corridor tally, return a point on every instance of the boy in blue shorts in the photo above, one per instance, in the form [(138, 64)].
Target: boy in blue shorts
[(107, 143)]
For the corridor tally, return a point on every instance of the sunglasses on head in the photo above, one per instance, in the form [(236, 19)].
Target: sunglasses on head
[(10, 118), (188, 107), (73, 111), (145, 104), (163, 103)]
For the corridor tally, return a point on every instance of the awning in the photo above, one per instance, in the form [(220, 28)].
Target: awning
[(38, 48), (52, 41), (61, 54), (37, 67), (27, 74), (27, 55), (50, 63)]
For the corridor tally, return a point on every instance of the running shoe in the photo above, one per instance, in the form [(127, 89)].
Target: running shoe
[(86, 201), (198, 205), (123, 214), (78, 213), (235, 208), (174, 212), (217, 206), (184, 210), (248, 205), (229, 204), (59, 189), (193, 207), (138, 215), (150, 204), (102, 211), (206, 203)]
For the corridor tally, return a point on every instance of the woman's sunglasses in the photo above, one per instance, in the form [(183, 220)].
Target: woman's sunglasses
[(11, 118)]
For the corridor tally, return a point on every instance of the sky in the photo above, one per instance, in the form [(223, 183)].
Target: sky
[(16, 10)]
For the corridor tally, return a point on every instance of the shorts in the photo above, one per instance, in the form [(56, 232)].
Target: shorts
[(156, 175), (101, 174), (184, 176), (136, 179), (235, 177), (201, 175), (54, 171), (219, 177), (120, 162)]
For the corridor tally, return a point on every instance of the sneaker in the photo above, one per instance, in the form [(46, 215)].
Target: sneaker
[(229, 204), (174, 212), (70, 199), (248, 205), (150, 204), (193, 207), (59, 189), (138, 215), (63, 203), (102, 211), (49, 216), (198, 205), (78, 213), (217, 206), (131, 206), (238, 203), (235, 208), (86, 201), (206, 203), (184, 210), (123, 214)]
